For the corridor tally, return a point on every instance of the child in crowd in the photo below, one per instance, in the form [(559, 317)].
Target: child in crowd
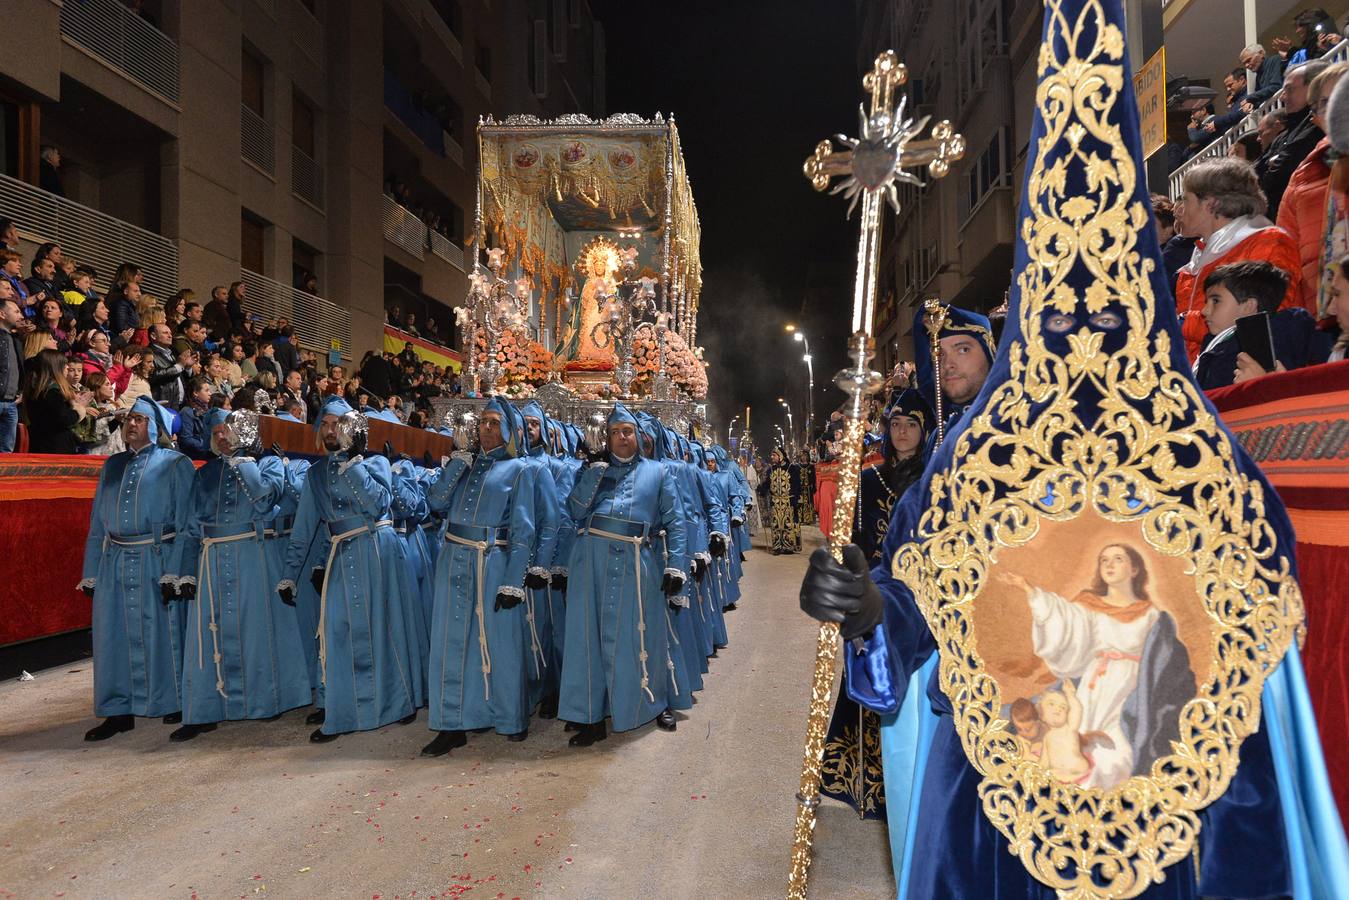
[(1245, 289)]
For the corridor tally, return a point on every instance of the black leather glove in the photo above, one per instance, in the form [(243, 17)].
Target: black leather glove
[(671, 585), (842, 593), (736, 523), (673, 604), (87, 591), (187, 592), (389, 453), (316, 579), (535, 582), (287, 595), (559, 582), (167, 593), (507, 601), (275, 450), (716, 545), (594, 456), (428, 462), (699, 570)]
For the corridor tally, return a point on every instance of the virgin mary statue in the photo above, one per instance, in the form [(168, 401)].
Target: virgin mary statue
[(598, 265)]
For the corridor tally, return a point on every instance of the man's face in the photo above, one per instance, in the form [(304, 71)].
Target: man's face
[(336, 373), (623, 440), (136, 430), (46, 269), (1253, 61), (218, 294), (161, 335), (12, 267), (11, 235), (1270, 127), (9, 312), (535, 426), (293, 380), (1295, 91), (489, 432), (133, 291), (1222, 309), (220, 439), (7, 291), (1230, 83), (328, 433), (964, 366), (195, 333)]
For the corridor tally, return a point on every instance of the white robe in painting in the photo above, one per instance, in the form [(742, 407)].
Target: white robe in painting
[(1101, 652)]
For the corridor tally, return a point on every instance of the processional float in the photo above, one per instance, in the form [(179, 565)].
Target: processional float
[(591, 283)]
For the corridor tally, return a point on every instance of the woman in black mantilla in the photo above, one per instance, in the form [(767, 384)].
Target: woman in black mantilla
[(852, 770), (781, 490), (908, 421)]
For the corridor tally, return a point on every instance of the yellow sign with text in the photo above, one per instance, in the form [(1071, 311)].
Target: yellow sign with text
[(1150, 86)]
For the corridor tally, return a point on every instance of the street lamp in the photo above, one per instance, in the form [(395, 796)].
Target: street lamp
[(791, 428), (810, 376)]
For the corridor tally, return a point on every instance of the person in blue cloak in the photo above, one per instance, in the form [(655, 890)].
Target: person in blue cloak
[(617, 587), (481, 637), (713, 588), (131, 560), (362, 633), (554, 483), (705, 515), (728, 558), (965, 347), (1274, 830), (243, 658)]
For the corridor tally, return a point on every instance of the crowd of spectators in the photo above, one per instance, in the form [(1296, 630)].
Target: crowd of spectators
[(72, 360), (441, 221), (1265, 232)]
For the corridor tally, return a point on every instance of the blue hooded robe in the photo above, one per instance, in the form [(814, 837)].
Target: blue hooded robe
[(139, 514), (345, 507), (616, 646), (479, 670)]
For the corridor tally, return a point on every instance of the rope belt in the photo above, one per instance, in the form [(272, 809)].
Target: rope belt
[(536, 647), (636, 542), (669, 623), (338, 539), (281, 526), (481, 548), (137, 540), (207, 587)]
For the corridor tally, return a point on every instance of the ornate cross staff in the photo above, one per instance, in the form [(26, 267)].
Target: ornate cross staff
[(870, 165)]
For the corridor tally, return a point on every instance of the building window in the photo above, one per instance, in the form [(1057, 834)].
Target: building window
[(992, 169), (303, 126), (482, 59), (304, 267), (252, 87), (252, 242), (450, 14)]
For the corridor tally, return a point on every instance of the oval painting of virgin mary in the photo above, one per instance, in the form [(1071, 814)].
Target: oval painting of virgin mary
[(1092, 648)]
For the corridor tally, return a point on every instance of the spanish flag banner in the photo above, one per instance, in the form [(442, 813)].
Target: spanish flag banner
[(395, 340)]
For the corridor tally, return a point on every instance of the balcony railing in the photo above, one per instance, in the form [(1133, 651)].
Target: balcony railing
[(403, 229), (1223, 145), (306, 177), (124, 41), (453, 150), (447, 250), (317, 322), (257, 141), (91, 237)]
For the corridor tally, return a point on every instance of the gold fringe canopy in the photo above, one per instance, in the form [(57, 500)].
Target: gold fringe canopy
[(541, 179)]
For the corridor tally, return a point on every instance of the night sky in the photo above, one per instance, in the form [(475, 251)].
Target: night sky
[(753, 87)]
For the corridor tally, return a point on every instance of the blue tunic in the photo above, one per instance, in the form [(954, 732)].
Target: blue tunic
[(366, 675), (548, 521), (306, 598), (243, 658), (409, 510), (616, 640), (140, 504), (478, 670)]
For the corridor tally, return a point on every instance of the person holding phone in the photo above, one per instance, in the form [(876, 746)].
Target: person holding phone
[(1233, 295)]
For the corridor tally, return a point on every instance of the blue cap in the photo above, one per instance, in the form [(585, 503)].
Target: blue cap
[(532, 409), (512, 426), (651, 428), (332, 406), (622, 414)]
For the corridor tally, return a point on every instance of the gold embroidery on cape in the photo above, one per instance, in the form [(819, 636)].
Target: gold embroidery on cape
[(1122, 437), (853, 770)]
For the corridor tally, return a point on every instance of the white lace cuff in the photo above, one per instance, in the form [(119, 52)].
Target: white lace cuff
[(284, 585), (87, 583), (599, 464), (677, 574), (511, 591), (735, 523), (234, 461), (558, 570), (347, 464), (680, 600), (185, 580), (719, 534), (537, 570), (704, 556), (462, 455)]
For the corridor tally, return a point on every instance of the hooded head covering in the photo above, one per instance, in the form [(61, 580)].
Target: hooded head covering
[(532, 409), (651, 428), (214, 416), (161, 426), (332, 406), (512, 426), (907, 402), (699, 454), (958, 322), (621, 414)]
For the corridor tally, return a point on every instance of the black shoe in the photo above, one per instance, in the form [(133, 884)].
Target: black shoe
[(666, 721), (316, 717), (318, 737), (272, 718), (714, 655), (481, 730), (409, 718), (572, 726), (548, 707), (444, 742), (110, 726), (742, 557), (730, 608), (589, 734), (518, 736), (173, 718), (188, 732)]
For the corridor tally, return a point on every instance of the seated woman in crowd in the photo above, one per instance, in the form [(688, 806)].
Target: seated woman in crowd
[(52, 405), (52, 319), (94, 351), (35, 342)]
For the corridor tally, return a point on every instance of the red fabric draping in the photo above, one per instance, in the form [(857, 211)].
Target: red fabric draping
[(1323, 572), (42, 543)]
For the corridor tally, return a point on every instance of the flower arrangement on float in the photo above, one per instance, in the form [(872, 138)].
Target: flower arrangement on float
[(525, 363), (684, 366)]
